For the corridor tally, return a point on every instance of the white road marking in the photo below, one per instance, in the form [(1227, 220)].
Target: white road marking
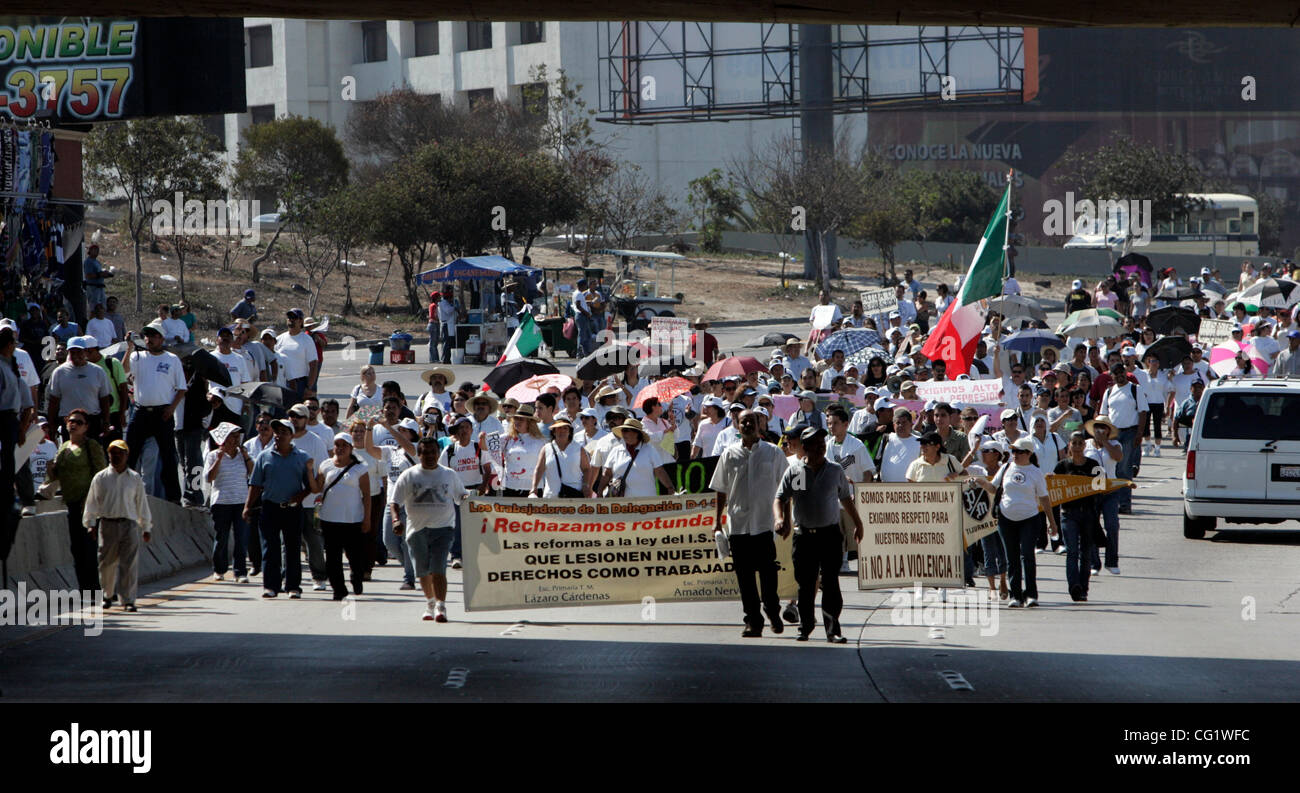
[(456, 678), (955, 681)]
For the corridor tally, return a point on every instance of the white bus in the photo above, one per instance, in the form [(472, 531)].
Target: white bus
[(1227, 225)]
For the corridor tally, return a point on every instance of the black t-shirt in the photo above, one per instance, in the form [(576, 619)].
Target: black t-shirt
[(1077, 300), (1089, 469)]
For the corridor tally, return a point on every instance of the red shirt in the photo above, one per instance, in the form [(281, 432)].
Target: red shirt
[(710, 348), (1100, 385)]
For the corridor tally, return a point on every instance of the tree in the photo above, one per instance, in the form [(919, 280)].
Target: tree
[(948, 205), (298, 161), (404, 216), (146, 161), (1272, 211), (886, 218), (1129, 171), (345, 220), (714, 200), (534, 192), (634, 207)]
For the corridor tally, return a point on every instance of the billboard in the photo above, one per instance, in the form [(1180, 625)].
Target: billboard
[(79, 70)]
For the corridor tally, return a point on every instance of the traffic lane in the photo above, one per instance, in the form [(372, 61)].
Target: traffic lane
[(1185, 621)]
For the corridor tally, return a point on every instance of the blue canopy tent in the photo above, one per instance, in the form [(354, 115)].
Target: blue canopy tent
[(474, 268)]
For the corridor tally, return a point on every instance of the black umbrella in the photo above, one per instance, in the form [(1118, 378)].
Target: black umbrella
[(608, 360), (660, 366), (207, 365), (1178, 293), (1171, 350), (1167, 320), (1134, 263), (261, 392), (770, 340), (504, 376)]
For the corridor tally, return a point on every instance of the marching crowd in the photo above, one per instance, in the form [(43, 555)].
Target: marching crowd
[(377, 477)]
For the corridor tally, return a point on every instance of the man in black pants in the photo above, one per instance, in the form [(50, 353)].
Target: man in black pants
[(819, 489), (16, 414), (159, 387)]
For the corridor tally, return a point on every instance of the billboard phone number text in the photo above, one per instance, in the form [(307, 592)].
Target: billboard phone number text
[(83, 92)]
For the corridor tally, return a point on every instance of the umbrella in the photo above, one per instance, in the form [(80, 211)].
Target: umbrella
[(1223, 358), (507, 374), (663, 390), (260, 392), (735, 366), (528, 390), (1171, 318), (1177, 293), (1271, 293), (608, 360), (663, 364), (852, 342), (1091, 323), (770, 340), (207, 365), (1134, 263), (1090, 312), (1170, 351), (1032, 340), (1016, 305)]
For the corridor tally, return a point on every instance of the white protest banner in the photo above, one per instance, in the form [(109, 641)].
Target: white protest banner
[(1214, 331), (912, 533), (878, 301), (541, 553), (670, 335), (980, 391), (823, 316)]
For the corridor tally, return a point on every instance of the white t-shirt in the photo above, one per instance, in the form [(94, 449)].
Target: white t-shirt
[(237, 366), (175, 329), (851, 455), (1157, 389), (40, 460), (299, 352), (1022, 487), (342, 504), (377, 478), (1048, 450), (1095, 453), (705, 435), (898, 455), (376, 399), (231, 484), (325, 434), (640, 477), (157, 378), (1182, 384), (102, 330), (600, 448), (310, 445), (254, 445), (679, 407), (441, 401), (430, 497), (465, 461), (394, 462), (729, 435), (520, 461), (565, 469), (26, 369)]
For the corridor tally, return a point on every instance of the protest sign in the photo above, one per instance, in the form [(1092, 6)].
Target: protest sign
[(1214, 331), (912, 533), (541, 553), (1068, 487), (878, 301), (670, 335), (980, 391), (822, 316), (978, 518), (694, 477)]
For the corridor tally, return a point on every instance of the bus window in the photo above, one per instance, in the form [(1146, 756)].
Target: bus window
[(1234, 225), (1247, 222)]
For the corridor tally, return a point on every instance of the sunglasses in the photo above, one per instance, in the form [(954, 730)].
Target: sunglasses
[(75, 422), (1020, 451), (969, 418)]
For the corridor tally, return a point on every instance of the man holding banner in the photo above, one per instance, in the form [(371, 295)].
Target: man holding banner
[(818, 488), (746, 479), (1078, 518)]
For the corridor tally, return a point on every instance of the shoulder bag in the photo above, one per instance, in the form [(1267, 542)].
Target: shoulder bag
[(355, 462), (618, 485), (566, 491)]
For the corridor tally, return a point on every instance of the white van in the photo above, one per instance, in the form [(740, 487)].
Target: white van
[(1243, 455)]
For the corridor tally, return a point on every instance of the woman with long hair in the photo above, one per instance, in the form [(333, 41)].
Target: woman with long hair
[(875, 373), (520, 448), (75, 464)]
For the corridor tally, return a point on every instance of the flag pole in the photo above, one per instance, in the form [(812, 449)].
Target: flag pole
[(1006, 237)]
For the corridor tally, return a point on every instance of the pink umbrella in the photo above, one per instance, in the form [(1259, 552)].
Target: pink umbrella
[(737, 366), (1223, 358), (528, 390), (785, 406)]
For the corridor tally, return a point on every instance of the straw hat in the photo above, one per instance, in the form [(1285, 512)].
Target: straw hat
[(632, 424), (558, 423), (604, 391), (525, 412), (1103, 420), (700, 322), (491, 400), (448, 375)]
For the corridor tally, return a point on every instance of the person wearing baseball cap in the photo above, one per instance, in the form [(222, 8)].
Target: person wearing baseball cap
[(807, 412), (79, 384), (282, 478), (118, 510), (1287, 362), (245, 309), (1023, 498), (301, 361)]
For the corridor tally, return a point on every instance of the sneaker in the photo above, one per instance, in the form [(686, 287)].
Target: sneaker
[(218, 576), (1061, 549), (407, 585), (1113, 570), (456, 564), (295, 594), (440, 612), (1038, 551), (790, 614), (130, 607), (1015, 604), (1031, 603), (844, 568), (267, 593), (428, 615), (243, 579), (1096, 571), (1155, 450), (108, 603), (320, 586), (29, 512)]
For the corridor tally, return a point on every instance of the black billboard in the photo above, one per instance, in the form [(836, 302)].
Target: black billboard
[(79, 70)]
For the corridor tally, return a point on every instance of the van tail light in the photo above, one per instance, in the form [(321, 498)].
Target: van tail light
[(1191, 465)]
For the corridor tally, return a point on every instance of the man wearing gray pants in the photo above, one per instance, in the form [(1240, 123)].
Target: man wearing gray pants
[(115, 506)]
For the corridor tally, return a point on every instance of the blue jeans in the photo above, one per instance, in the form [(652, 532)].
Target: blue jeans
[(1109, 504), (277, 520), (448, 341), (995, 556), (584, 334), (225, 518), (1076, 530), (1022, 571), (397, 545), (298, 387), (1131, 459)]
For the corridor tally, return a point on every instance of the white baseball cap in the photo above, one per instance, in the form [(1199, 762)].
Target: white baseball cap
[(77, 343), (1077, 284), (883, 403)]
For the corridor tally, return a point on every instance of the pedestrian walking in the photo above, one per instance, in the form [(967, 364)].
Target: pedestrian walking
[(818, 490), (75, 464), (562, 466), (1108, 454), (159, 387), (1021, 490), (282, 477), (1078, 518), (345, 515), (746, 479), (226, 470), (428, 494), (118, 511)]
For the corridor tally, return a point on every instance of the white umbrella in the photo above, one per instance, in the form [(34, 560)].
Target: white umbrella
[(1271, 293), (1089, 324)]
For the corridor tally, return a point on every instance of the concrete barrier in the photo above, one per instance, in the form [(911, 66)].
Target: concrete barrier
[(41, 555)]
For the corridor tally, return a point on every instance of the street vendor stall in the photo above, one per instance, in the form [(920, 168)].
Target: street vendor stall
[(635, 290), (484, 335)]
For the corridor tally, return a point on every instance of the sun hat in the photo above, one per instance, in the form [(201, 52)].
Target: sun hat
[(222, 431), (448, 375), (1024, 445), (1104, 421), (1007, 414), (632, 424), (483, 395), (526, 412), (343, 436)]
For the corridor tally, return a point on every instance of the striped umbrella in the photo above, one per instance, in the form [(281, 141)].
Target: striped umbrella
[(1092, 323), (1223, 358), (1271, 293)]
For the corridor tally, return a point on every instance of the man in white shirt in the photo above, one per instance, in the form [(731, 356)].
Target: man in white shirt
[(237, 366), (795, 363), (246, 344), (731, 433), (116, 508), (836, 369), (850, 454), (746, 478), (159, 388), (318, 427), (101, 327), (430, 493), (78, 383), (901, 449), (906, 308), (1125, 404), (299, 349)]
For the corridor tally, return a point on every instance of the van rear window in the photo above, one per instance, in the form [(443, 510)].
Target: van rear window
[(1252, 417)]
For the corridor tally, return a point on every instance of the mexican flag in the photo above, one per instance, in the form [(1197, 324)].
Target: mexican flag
[(527, 338), (957, 333)]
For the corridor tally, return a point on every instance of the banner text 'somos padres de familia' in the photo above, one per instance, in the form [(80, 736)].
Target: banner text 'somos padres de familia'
[(912, 532), (539, 553)]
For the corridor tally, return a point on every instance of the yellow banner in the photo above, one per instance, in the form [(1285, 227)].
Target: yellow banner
[(1069, 487), (546, 553), (912, 533)]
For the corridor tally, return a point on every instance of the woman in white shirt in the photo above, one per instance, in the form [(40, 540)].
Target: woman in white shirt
[(562, 466), (995, 556), (632, 467), (1106, 452), (1024, 496), (344, 512), (657, 423), (360, 437), (1156, 393), (520, 449), (226, 470), (393, 461), (713, 422), (365, 393)]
